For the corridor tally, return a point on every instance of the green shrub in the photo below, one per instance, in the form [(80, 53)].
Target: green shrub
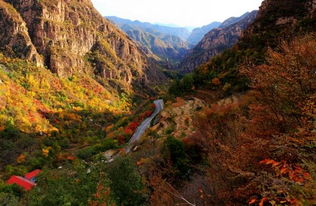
[(183, 86), (8, 199), (87, 152), (174, 149), (90, 151), (14, 189), (126, 183), (108, 144), (15, 170), (11, 133)]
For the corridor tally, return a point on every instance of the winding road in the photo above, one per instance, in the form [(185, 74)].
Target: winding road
[(159, 105)]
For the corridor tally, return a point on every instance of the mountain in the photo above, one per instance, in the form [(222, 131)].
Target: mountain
[(198, 33), (180, 32), (169, 48), (63, 35), (233, 20), (259, 114), (61, 64), (216, 41), (276, 21)]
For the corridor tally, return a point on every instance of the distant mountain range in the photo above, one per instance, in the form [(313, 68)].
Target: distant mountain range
[(167, 43), (234, 20), (216, 41), (178, 44), (198, 33), (180, 32)]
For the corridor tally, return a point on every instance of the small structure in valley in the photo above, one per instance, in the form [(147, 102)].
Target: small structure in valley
[(27, 182)]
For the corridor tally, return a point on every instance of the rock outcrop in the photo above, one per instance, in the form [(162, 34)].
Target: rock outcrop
[(216, 41), (14, 38), (71, 36)]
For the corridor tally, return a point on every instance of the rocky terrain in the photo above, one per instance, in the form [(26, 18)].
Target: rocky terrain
[(72, 37), (216, 41)]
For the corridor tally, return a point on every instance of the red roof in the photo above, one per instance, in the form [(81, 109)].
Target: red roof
[(25, 183), (32, 174)]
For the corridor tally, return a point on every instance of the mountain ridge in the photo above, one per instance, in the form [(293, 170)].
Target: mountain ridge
[(198, 33), (181, 32), (169, 47), (216, 41)]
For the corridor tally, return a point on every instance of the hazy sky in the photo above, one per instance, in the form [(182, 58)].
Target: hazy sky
[(178, 12)]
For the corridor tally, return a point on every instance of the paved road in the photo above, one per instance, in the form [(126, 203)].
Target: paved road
[(144, 125), (141, 128)]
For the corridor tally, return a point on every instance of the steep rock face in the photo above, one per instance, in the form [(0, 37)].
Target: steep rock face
[(216, 41), (14, 38), (68, 32)]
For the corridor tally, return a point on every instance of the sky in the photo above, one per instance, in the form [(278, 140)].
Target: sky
[(187, 13)]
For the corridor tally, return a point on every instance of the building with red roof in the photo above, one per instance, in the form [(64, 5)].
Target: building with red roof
[(32, 175), (27, 182), (23, 182)]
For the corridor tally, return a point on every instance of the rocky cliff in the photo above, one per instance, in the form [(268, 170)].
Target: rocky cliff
[(70, 36), (14, 38), (216, 41)]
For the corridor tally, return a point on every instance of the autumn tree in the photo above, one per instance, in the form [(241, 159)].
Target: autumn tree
[(288, 81)]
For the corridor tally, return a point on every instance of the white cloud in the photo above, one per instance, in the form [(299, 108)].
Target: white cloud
[(179, 12)]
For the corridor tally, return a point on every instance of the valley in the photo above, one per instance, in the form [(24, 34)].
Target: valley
[(177, 48), (112, 111)]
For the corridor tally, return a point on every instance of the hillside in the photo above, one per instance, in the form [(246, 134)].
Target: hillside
[(256, 128), (275, 22), (216, 41), (198, 33), (65, 35), (66, 74), (164, 43)]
